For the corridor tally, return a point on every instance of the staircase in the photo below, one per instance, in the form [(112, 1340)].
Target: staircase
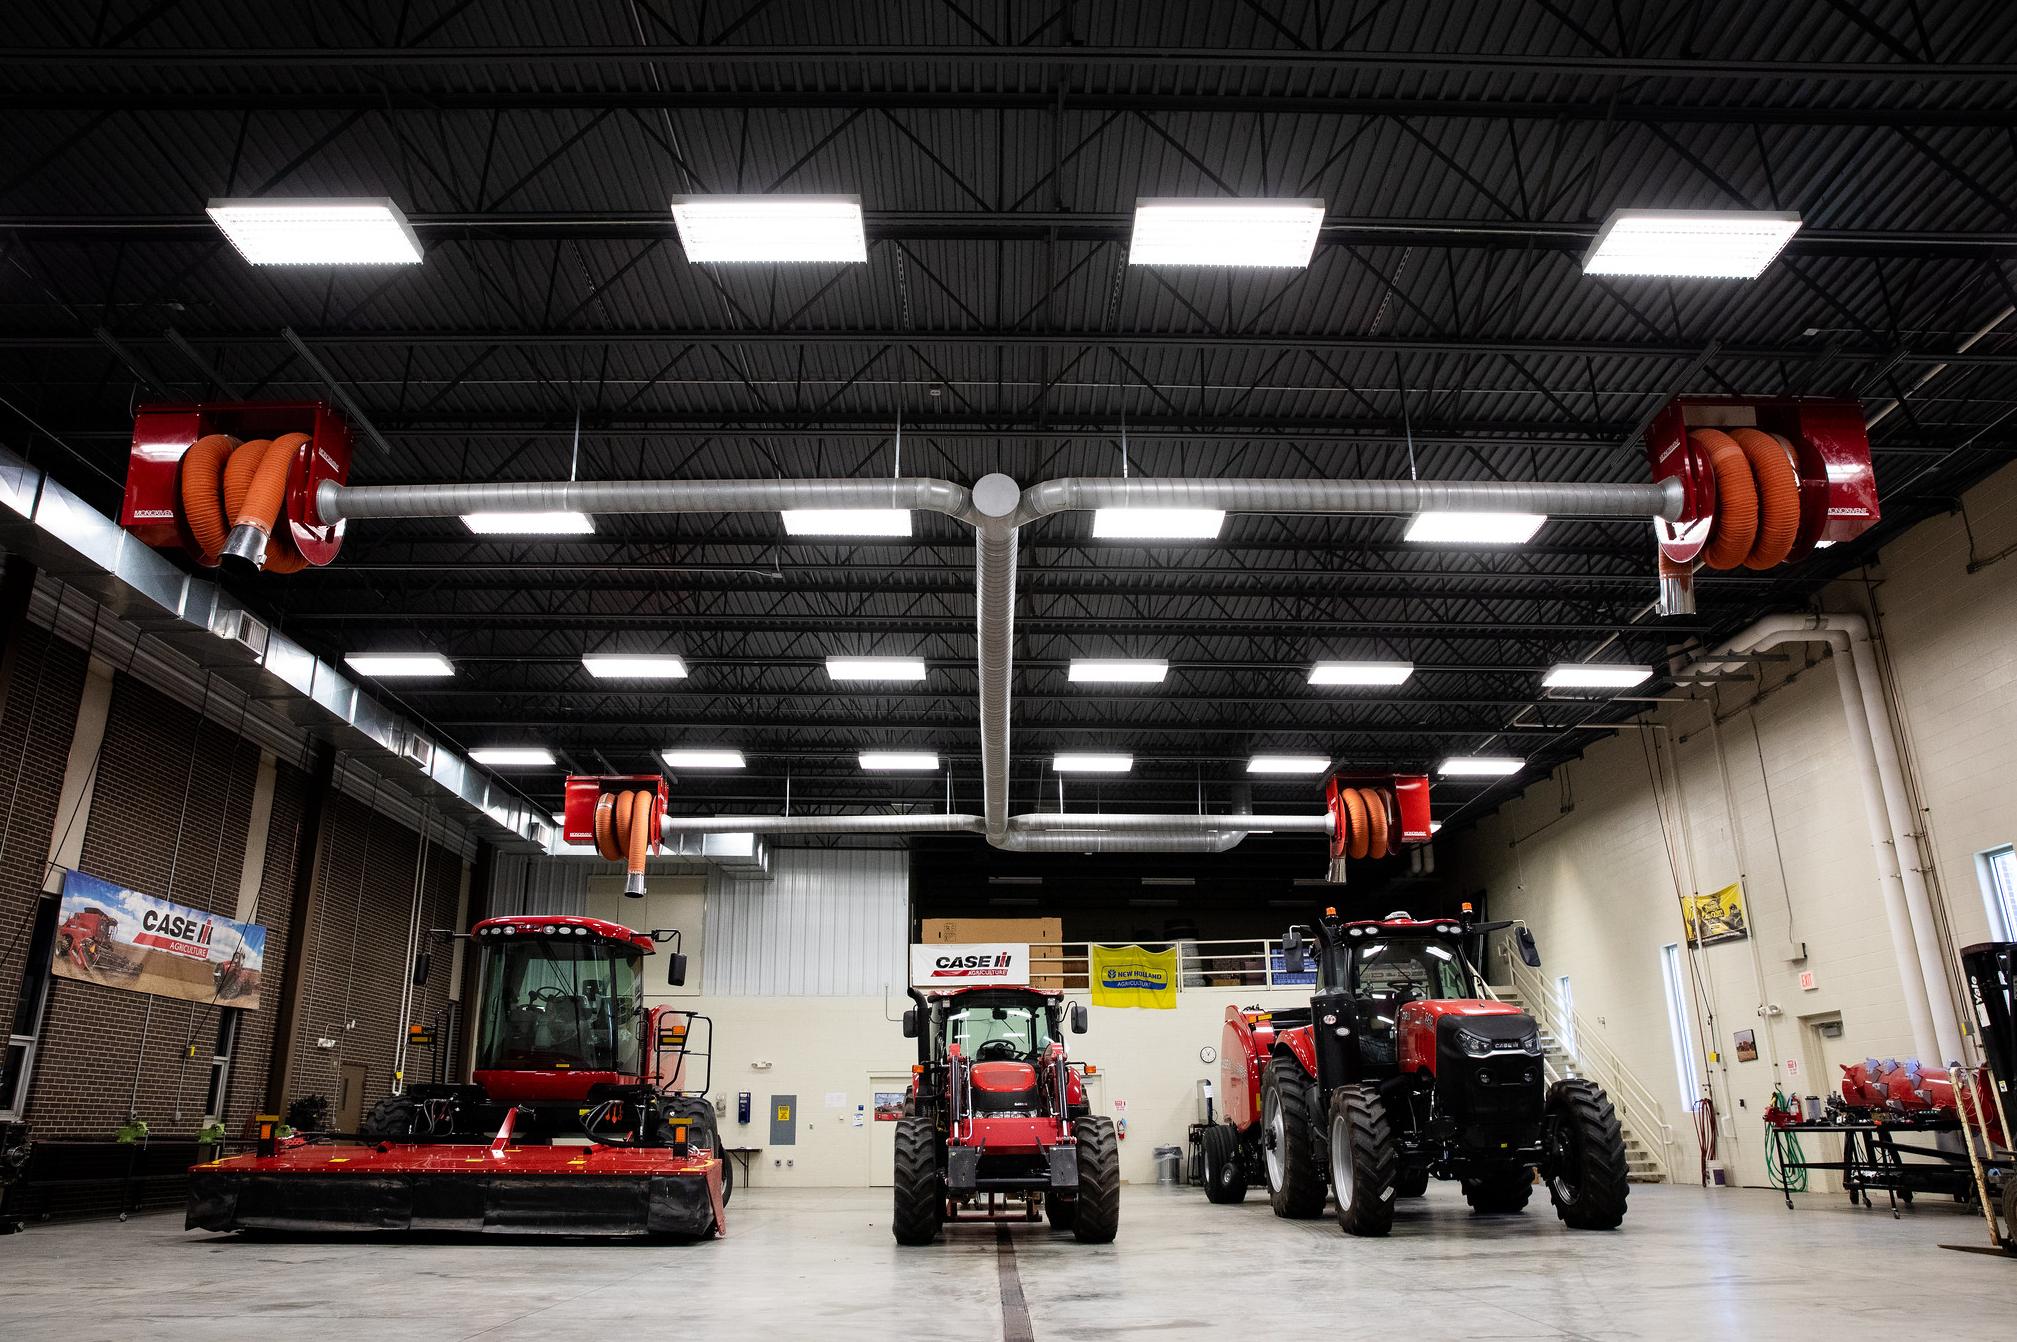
[(1644, 1163)]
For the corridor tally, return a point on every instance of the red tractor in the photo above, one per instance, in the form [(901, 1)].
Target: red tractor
[(86, 935), (560, 1131), (997, 1115), (1400, 1071)]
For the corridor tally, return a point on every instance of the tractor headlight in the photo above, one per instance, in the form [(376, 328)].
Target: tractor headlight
[(1531, 1044), (1474, 1045)]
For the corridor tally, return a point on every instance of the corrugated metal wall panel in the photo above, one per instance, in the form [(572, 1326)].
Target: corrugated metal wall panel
[(529, 884), (830, 922)]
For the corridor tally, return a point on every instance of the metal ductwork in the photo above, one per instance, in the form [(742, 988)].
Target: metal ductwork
[(335, 502), (1353, 496)]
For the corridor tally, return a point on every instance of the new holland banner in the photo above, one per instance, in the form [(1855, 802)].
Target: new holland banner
[(120, 938), (1128, 976)]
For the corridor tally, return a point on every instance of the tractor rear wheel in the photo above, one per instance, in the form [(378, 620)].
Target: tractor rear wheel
[(920, 1196), (1225, 1164), (393, 1119), (1295, 1179), (1362, 1161), (1499, 1192), (1097, 1217), (1586, 1170)]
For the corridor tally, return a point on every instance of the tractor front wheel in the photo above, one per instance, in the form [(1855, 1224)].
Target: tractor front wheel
[(1411, 1183), (1362, 1161), (1585, 1170), (920, 1195), (1096, 1218), (1225, 1164), (393, 1119), (1295, 1179), (1499, 1192), (1060, 1210)]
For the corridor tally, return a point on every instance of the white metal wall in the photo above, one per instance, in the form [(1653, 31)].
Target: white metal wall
[(830, 922)]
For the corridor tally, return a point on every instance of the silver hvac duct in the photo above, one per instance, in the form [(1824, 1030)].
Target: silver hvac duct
[(998, 508), (823, 824), (1124, 823)]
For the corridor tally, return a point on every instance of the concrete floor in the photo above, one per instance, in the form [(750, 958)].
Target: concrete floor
[(821, 1264)]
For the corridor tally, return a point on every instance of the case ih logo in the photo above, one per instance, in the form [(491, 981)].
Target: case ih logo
[(972, 966), (175, 933)]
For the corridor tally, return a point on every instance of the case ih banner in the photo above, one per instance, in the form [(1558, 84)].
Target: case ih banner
[(120, 938), (969, 966)]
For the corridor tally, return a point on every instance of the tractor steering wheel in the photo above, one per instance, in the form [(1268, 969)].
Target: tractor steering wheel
[(997, 1050), (544, 993)]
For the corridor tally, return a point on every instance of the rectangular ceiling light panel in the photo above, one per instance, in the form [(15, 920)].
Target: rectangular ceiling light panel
[(1157, 524), (703, 759), (529, 524), (345, 231), (910, 761), (1092, 764), (1595, 676), (1135, 670), (1288, 764), (770, 228), (1435, 528), (1361, 673), (847, 521), (1690, 244), (391, 665), (1178, 232), (634, 666), (508, 757), (875, 668), (1481, 766)]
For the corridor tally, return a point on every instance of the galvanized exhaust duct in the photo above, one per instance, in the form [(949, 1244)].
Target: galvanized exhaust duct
[(998, 509)]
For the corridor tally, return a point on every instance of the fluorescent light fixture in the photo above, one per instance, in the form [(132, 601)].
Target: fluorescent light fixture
[(770, 228), (1092, 764), (875, 668), (1157, 524), (634, 666), (847, 521), (1690, 244), (389, 665), (1595, 675), (702, 759), (1180, 232), (507, 757), (1138, 670), (915, 761), (1434, 528), (1288, 764), (1361, 673), (1480, 766), (529, 524), (338, 231)]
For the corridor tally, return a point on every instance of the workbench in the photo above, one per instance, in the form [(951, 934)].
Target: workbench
[(1874, 1158)]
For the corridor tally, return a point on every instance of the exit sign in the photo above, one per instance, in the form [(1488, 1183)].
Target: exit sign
[(1806, 980)]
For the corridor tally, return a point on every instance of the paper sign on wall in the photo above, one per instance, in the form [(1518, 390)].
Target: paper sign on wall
[(836, 1099), (970, 965)]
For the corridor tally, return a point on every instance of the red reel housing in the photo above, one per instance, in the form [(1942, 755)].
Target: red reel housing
[(577, 820), (162, 434)]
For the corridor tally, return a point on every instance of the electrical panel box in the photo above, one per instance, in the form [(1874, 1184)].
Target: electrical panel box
[(784, 1120)]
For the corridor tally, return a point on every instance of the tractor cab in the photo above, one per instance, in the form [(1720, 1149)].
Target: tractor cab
[(562, 1006)]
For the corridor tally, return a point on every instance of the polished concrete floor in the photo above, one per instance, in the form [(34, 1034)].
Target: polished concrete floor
[(821, 1265)]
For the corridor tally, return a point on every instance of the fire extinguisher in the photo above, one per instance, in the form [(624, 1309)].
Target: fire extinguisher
[(1121, 1120)]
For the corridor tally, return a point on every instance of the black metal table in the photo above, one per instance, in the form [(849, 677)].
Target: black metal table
[(1874, 1158)]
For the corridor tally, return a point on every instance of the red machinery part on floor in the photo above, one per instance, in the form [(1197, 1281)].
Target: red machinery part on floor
[(236, 477), (620, 815), (1762, 481)]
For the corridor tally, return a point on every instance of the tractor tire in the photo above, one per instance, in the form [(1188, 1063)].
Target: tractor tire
[(704, 1135), (1586, 1172), (1060, 1211), (1362, 1161), (1096, 1217), (2009, 1212), (1411, 1183), (1295, 1178), (920, 1191), (1225, 1165), (393, 1119), (1499, 1192)]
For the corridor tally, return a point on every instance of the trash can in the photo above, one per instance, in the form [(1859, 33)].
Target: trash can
[(1169, 1165)]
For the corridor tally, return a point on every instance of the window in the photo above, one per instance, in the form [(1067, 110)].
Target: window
[(18, 1063), (220, 1063), (1998, 871), (1567, 997), (1678, 1028), (986, 1033)]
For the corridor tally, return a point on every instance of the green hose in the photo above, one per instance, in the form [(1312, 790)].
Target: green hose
[(1794, 1181)]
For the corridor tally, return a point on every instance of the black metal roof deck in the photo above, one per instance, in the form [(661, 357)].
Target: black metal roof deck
[(1466, 155)]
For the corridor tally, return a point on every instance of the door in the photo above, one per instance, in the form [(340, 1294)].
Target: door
[(885, 1093), (1824, 1051), (349, 1115)]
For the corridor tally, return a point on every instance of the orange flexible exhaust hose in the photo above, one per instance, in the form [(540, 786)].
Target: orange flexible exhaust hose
[(1778, 487), (639, 840), (605, 821), (1376, 820), (623, 832), (1360, 832), (202, 465), (1736, 525), (256, 514), (237, 478)]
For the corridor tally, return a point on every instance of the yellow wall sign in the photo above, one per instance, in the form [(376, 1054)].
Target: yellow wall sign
[(1715, 917), (1128, 976), (784, 1113)]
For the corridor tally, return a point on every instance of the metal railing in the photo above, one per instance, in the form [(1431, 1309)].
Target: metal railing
[(1585, 1054), (1248, 963)]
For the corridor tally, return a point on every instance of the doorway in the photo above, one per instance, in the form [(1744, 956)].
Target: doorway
[(349, 1108), (1824, 1051)]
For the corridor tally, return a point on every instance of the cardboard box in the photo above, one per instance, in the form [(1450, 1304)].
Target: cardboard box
[(979, 931)]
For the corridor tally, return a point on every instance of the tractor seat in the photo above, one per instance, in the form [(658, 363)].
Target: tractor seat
[(1004, 1087)]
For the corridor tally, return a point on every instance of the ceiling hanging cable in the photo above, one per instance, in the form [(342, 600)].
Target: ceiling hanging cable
[(1407, 422)]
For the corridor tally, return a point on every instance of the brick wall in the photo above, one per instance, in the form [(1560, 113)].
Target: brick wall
[(48, 682), (286, 846), (357, 965)]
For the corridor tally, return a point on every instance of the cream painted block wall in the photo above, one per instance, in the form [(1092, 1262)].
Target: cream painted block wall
[(1598, 887), (819, 1045)]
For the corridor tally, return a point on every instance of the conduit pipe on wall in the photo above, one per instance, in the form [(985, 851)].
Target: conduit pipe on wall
[(997, 508), (1873, 740)]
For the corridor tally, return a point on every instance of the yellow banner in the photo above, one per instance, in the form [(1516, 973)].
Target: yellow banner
[(1714, 918), (1128, 976)]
